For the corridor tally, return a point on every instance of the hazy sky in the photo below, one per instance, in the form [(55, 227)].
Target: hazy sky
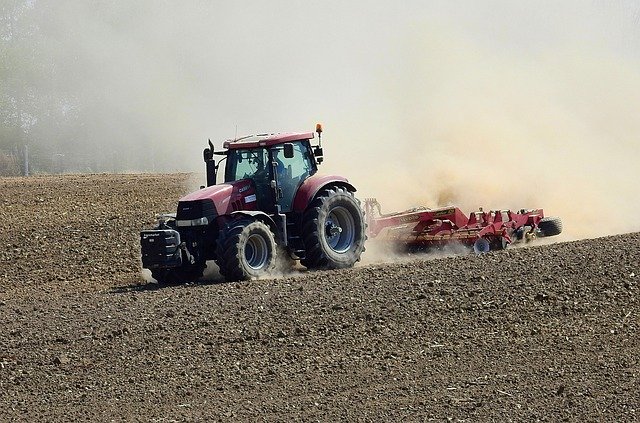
[(482, 103), (186, 71)]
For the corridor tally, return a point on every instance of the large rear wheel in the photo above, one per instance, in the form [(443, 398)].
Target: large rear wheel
[(246, 250), (334, 230)]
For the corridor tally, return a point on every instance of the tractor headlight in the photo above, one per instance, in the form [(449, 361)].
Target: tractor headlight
[(203, 221)]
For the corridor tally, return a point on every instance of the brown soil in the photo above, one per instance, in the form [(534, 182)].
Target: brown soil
[(540, 333)]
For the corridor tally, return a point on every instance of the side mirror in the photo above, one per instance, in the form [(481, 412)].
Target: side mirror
[(210, 164), (208, 152), (288, 151), (317, 152)]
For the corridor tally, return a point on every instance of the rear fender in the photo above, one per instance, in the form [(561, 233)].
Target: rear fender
[(313, 185)]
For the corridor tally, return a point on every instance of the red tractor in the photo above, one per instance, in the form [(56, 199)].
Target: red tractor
[(273, 204)]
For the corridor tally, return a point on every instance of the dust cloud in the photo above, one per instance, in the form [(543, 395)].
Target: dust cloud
[(496, 104), (531, 113)]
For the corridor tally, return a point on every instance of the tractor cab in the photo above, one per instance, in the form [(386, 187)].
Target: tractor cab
[(277, 164)]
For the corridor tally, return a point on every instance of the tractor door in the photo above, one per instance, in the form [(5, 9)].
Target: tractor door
[(291, 172), (252, 164)]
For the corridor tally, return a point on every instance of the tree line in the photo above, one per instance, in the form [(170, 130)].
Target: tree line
[(61, 105)]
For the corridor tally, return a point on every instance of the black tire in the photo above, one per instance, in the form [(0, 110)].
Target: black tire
[(246, 250), (334, 230), (550, 226)]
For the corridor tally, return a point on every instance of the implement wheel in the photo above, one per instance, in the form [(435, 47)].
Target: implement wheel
[(550, 226), (333, 230), (481, 246), (246, 250)]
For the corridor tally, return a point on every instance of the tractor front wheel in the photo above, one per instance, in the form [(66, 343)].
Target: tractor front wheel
[(333, 230), (246, 250)]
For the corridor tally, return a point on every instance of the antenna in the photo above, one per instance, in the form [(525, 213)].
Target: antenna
[(236, 135)]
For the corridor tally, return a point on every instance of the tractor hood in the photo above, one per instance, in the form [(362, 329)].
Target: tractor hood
[(216, 200)]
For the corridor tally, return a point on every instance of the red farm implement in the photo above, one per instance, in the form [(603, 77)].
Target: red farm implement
[(425, 229)]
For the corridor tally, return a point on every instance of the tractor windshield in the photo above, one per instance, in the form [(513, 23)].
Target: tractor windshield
[(248, 164)]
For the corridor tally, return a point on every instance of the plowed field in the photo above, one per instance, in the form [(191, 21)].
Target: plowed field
[(540, 333)]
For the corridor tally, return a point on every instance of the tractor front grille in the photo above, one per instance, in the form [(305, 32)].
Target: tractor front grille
[(196, 209)]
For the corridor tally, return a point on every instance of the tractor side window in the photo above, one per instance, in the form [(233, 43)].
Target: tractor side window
[(292, 172), (297, 168)]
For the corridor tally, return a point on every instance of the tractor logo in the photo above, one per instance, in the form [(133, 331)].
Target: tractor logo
[(406, 219)]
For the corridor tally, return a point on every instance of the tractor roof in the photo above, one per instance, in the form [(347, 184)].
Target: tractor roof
[(267, 140)]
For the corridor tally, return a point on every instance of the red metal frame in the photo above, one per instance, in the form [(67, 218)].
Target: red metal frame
[(427, 228)]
